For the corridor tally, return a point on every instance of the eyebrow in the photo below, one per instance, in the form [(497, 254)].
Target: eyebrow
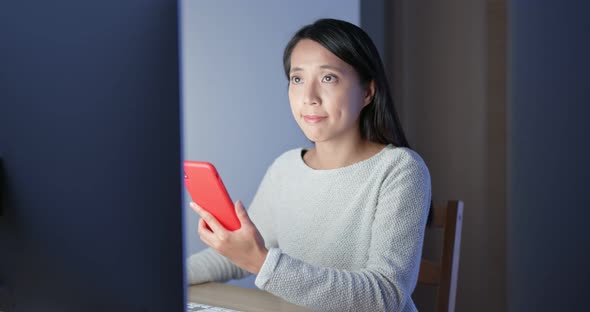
[(296, 69)]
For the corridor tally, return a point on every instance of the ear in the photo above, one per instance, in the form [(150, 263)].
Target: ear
[(369, 93)]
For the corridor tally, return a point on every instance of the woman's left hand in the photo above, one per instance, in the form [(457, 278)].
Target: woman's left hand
[(244, 247)]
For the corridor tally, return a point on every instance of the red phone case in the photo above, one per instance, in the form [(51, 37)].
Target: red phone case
[(207, 190)]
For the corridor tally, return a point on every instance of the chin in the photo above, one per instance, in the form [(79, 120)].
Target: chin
[(315, 137)]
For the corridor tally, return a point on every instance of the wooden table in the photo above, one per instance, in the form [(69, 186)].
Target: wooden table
[(239, 298)]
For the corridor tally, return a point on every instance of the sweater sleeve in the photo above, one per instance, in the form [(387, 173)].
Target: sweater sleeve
[(208, 265), (391, 271)]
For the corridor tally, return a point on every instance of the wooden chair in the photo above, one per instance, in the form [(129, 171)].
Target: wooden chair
[(443, 273)]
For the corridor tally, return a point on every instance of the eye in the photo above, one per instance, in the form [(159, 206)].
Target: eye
[(295, 80), (329, 78)]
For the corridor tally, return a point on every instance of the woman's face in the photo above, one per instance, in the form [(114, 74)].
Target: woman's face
[(325, 93)]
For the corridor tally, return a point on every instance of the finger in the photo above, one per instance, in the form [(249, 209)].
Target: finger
[(202, 224), (214, 225), (242, 213), (204, 214), (202, 228), (205, 234), (195, 207)]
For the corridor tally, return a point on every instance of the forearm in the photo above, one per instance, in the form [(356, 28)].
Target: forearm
[(207, 266), (329, 289)]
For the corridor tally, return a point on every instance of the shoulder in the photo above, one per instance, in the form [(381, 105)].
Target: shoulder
[(287, 158), (403, 155), (404, 162), (286, 161)]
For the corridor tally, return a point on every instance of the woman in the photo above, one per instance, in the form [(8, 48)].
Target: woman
[(339, 226)]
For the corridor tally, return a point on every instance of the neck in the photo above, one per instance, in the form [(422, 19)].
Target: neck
[(336, 154)]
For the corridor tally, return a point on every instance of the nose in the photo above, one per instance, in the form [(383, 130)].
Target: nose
[(310, 95)]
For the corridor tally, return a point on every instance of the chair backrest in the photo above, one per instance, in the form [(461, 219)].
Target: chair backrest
[(443, 273)]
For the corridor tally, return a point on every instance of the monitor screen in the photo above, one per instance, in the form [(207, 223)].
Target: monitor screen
[(91, 216)]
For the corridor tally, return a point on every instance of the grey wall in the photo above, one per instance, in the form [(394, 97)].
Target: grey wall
[(549, 245), (236, 108)]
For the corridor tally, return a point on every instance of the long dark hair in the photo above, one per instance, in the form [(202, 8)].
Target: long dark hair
[(379, 121)]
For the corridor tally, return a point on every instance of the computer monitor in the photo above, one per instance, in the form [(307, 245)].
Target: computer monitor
[(91, 215)]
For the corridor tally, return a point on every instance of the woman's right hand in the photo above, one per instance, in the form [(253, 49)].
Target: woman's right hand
[(244, 247)]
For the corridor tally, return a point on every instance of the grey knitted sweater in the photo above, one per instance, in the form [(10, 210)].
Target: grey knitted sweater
[(346, 239)]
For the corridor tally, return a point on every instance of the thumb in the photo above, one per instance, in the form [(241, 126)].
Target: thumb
[(241, 212)]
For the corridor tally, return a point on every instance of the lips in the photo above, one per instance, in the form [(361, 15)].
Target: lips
[(314, 118)]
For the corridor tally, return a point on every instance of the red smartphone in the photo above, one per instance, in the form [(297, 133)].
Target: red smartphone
[(207, 190)]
